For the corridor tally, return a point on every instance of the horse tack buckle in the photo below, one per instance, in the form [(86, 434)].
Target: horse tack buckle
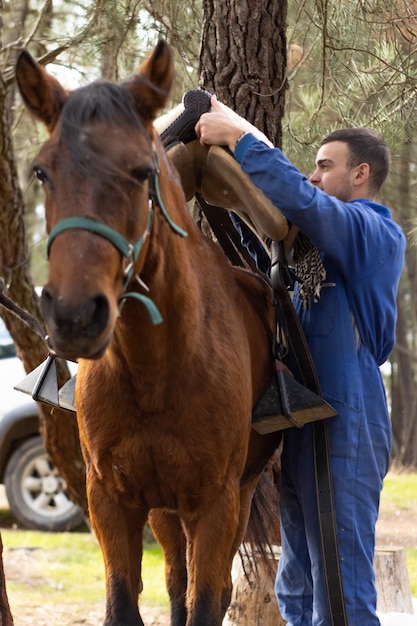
[(134, 249)]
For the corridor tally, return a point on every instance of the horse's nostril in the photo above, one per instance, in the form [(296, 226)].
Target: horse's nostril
[(46, 302), (100, 315)]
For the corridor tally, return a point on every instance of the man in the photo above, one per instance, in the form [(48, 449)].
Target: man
[(349, 322)]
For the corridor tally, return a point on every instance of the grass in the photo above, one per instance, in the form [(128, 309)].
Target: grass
[(68, 568), (61, 564), (400, 490), (400, 493), (411, 555)]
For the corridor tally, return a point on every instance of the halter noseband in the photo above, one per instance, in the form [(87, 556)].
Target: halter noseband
[(130, 251)]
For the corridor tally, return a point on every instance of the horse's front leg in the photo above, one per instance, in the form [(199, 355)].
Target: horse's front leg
[(210, 541), (169, 533), (119, 531)]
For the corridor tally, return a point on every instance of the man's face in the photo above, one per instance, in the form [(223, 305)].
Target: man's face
[(332, 174)]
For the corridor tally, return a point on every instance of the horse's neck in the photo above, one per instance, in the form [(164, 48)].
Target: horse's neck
[(178, 261), (183, 275), (177, 273), (154, 357)]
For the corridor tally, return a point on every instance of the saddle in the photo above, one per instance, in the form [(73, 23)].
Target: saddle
[(289, 400)]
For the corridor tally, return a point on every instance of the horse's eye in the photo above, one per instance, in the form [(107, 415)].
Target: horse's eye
[(40, 174), (140, 175)]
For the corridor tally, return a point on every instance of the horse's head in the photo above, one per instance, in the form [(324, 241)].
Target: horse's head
[(95, 169)]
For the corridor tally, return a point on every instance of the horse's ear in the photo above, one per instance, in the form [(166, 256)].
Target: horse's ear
[(42, 94), (152, 84)]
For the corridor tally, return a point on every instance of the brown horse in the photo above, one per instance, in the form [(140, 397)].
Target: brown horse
[(174, 344)]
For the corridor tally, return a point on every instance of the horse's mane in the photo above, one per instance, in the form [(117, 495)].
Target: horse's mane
[(99, 101), (103, 102)]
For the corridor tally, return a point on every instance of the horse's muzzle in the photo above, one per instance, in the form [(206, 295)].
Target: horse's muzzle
[(81, 330)]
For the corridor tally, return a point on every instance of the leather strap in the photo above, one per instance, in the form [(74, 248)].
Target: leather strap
[(328, 529)]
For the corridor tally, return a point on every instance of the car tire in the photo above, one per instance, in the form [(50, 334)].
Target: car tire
[(35, 491)]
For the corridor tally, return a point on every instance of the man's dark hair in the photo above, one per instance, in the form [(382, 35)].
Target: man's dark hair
[(365, 146)]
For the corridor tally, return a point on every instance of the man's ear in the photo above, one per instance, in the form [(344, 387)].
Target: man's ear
[(362, 173)]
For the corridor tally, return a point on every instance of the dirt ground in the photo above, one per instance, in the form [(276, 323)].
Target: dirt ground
[(395, 527)]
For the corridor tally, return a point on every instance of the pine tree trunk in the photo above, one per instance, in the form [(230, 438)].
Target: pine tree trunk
[(404, 364), (59, 428), (243, 59)]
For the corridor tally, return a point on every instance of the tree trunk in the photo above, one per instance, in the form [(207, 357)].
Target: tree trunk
[(243, 59), (253, 598), (392, 580), (403, 360), (6, 618), (58, 428)]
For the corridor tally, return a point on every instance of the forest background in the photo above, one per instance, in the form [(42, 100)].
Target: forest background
[(337, 63)]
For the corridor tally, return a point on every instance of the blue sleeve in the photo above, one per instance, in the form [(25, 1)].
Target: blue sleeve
[(359, 239), (337, 228)]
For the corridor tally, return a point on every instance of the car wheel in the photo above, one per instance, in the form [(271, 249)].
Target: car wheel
[(35, 491)]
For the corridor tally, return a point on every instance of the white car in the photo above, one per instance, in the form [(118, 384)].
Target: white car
[(35, 491)]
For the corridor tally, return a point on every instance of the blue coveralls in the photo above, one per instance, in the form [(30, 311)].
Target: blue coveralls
[(350, 332)]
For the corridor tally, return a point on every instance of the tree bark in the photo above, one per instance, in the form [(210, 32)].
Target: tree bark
[(243, 59), (6, 618), (403, 359), (253, 597), (59, 428)]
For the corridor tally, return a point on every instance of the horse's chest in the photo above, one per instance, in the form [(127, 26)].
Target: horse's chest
[(163, 471)]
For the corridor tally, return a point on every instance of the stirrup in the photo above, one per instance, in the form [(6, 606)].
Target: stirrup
[(287, 403), (42, 385)]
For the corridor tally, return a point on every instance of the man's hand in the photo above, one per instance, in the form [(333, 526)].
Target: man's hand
[(223, 127)]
